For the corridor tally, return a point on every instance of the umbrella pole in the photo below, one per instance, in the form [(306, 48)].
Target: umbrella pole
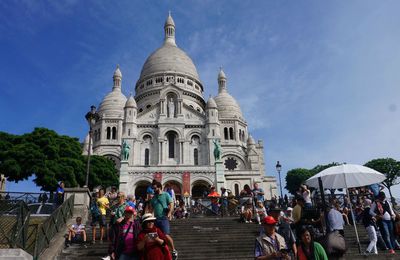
[(354, 221)]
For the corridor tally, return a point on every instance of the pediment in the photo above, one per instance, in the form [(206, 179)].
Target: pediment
[(150, 115), (191, 114)]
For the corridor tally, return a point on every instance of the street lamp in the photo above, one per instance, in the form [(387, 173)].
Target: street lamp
[(278, 169), (91, 117)]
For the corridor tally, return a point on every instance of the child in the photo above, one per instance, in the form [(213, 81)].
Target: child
[(76, 233), (261, 212)]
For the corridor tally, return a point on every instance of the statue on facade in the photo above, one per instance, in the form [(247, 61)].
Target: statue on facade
[(171, 108), (125, 150), (217, 149)]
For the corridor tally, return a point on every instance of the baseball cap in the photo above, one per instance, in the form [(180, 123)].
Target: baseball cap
[(268, 220), (129, 209)]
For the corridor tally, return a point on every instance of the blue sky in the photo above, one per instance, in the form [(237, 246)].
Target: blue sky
[(318, 81)]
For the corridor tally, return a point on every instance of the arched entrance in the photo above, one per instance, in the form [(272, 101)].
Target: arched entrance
[(176, 186), (200, 188), (140, 190)]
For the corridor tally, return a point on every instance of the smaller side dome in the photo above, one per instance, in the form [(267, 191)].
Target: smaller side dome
[(211, 103), (250, 140), (131, 102)]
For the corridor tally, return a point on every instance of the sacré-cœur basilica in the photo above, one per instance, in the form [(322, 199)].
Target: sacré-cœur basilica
[(169, 132)]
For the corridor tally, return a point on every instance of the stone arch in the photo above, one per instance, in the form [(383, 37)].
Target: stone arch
[(200, 187), (147, 132), (141, 187), (193, 132), (171, 90), (175, 185), (236, 188), (174, 129)]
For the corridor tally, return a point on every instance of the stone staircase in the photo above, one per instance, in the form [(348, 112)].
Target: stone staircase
[(212, 238)]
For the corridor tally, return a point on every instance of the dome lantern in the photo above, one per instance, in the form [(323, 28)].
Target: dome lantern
[(117, 78), (169, 29), (221, 81)]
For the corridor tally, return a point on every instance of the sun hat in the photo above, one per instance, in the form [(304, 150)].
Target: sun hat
[(367, 203), (129, 209), (147, 217), (268, 220)]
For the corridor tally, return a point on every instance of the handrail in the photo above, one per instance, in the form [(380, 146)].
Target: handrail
[(54, 224), (28, 197), (14, 216)]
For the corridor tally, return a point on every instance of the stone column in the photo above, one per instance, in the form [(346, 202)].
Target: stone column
[(160, 153), (124, 177), (219, 175)]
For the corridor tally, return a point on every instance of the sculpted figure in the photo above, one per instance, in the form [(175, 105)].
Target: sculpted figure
[(217, 150), (171, 108), (125, 150)]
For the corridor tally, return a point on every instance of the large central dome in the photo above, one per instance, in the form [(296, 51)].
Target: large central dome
[(169, 58)]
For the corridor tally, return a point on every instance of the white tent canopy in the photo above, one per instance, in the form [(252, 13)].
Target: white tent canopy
[(346, 176)]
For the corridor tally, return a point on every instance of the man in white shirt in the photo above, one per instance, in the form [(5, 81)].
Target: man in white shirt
[(335, 219)]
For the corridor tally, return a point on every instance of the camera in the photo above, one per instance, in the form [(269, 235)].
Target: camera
[(152, 235)]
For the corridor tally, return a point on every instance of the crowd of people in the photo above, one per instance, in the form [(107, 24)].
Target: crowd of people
[(134, 230), (300, 230), (296, 228)]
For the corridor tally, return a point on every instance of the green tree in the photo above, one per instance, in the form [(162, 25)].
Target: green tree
[(390, 168), (295, 177), (51, 158)]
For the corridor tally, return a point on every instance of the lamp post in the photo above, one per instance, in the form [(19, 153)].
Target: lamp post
[(91, 117), (278, 169)]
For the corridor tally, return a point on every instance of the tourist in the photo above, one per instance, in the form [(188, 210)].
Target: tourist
[(152, 242), (181, 212), (258, 193), (305, 192), (308, 248), (270, 245), (214, 198), (247, 212), (124, 246), (112, 196), (131, 201), (162, 207), (283, 229), (171, 193), (370, 226), (60, 194), (261, 212), (103, 205), (117, 214), (76, 233), (224, 201), (298, 211), (288, 215), (382, 211), (335, 219)]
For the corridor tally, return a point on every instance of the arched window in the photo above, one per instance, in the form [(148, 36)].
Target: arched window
[(226, 133), (171, 145), (231, 133), (146, 157), (114, 133), (99, 135), (129, 132), (196, 156), (240, 134), (95, 135), (236, 189), (108, 133)]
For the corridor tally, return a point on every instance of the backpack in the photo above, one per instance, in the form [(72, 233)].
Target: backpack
[(94, 210)]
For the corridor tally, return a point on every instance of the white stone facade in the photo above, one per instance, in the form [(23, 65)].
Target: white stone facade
[(170, 129)]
